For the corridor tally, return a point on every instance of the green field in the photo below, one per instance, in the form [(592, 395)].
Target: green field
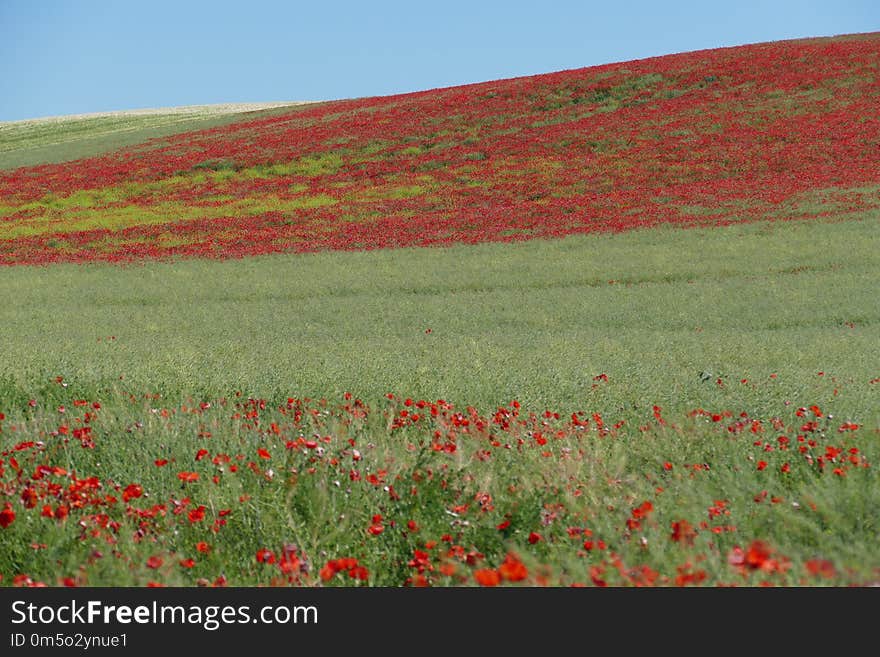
[(45, 141), (194, 363), (535, 321)]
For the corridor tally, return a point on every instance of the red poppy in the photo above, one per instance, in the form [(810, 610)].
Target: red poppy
[(683, 532), (513, 569), (289, 564), (687, 577), (132, 491), (487, 577), (7, 516), (821, 568), (197, 515), (758, 554), (265, 555), (359, 573), (328, 571)]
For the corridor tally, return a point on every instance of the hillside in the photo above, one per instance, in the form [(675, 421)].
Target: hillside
[(54, 139), (785, 130)]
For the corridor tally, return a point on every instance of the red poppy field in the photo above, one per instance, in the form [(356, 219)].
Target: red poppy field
[(227, 359), (417, 493), (785, 130)]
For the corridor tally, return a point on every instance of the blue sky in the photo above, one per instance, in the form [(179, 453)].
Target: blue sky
[(66, 56)]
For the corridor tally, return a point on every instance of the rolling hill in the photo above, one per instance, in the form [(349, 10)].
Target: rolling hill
[(785, 130)]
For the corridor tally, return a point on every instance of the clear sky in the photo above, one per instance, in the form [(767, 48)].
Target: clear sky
[(78, 56)]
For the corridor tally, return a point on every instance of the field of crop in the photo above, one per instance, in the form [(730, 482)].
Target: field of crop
[(189, 421), (215, 370), (65, 138), (480, 324)]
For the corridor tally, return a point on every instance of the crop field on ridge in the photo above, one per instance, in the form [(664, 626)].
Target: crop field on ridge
[(64, 138), (643, 348)]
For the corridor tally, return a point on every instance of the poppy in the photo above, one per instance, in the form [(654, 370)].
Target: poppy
[(487, 577), (513, 569), (7, 516)]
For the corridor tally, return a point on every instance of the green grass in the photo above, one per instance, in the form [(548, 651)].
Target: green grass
[(50, 141), (663, 313), (82, 216), (534, 321)]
